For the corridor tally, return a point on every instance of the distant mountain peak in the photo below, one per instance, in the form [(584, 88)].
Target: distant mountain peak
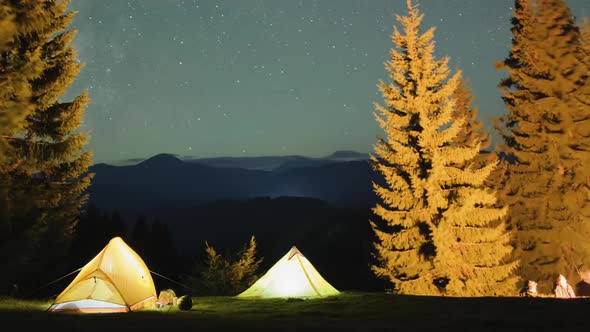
[(162, 159)]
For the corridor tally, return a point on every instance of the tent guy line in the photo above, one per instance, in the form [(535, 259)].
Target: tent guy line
[(52, 282), (176, 282)]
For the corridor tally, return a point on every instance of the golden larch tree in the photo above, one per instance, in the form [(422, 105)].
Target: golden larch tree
[(437, 230)]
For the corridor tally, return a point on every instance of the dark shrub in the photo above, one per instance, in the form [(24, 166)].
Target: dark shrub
[(185, 302)]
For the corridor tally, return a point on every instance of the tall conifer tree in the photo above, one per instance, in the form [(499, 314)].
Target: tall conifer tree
[(585, 39), (437, 229), (18, 66), (7, 26), (473, 128), (43, 164), (546, 133)]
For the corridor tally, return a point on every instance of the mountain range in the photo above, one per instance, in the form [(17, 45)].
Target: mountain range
[(265, 163), (167, 181)]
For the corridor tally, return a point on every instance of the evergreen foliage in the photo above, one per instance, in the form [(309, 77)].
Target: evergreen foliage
[(216, 276), (141, 236), (546, 132), (18, 66), (438, 230), (163, 256), (43, 168), (472, 128), (7, 26), (585, 40), (230, 276), (93, 231)]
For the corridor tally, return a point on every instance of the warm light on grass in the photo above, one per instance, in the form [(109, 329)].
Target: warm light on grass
[(349, 310), (11, 304)]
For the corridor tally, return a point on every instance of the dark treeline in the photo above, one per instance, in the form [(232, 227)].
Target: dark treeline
[(335, 240), (150, 238)]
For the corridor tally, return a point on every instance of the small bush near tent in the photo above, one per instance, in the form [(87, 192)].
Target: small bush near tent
[(226, 275)]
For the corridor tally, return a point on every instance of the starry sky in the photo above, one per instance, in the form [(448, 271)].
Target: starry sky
[(210, 78)]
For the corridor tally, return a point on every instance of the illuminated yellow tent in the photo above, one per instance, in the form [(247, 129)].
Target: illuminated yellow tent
[(116, 280), (292, 276)]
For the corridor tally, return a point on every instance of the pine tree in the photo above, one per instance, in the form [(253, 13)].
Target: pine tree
[(14, 106), (215, 277), (228, 275), (18, 66), (546, 132), (141, 236), (438, 231), (473, 127), (116, 226), (163, 254), (44, 170), (585, 39), (7, 26), (244, 269)]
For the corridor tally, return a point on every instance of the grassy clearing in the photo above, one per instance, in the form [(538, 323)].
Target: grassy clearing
[(10, 304), (349, 311)]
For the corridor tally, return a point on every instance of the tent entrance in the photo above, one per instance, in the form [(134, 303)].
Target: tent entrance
[(88, 306)]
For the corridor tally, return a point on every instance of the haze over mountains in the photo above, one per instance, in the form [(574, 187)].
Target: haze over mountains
[(267, 163), (165, 181)]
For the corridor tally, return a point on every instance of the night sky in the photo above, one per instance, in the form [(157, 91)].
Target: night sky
[(205, 78)]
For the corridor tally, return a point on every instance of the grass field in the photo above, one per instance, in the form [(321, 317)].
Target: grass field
[(349, 311)]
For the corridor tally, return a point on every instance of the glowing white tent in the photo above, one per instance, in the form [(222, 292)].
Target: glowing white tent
[(292, 276)]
